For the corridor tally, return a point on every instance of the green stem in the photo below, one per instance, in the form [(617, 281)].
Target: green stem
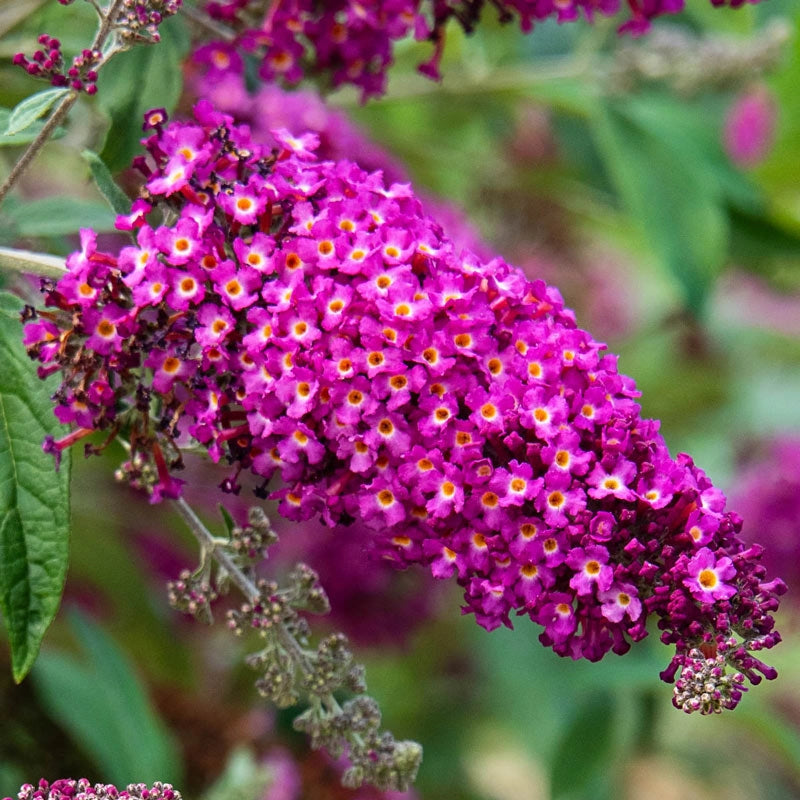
[(206, 539), (248, 589), (29, 263)]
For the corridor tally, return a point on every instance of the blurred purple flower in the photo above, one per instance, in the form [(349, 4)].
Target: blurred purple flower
[(767, 491), (371, 602), (750, 127), (352, 42)]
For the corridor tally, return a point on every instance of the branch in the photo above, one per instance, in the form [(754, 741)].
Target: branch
[(63, 108), (202, 20), (55, 119), (286, 663)]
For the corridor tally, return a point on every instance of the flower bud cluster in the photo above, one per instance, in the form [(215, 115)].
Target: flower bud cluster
[(300, 318), (269, 611), (69, 789), (48, 63), (690, 64), (192, 594), (249, 544), (353, 42), (138, 20), (289, 669), (376, 757), (146, 470), (278, 608), (704, 684)]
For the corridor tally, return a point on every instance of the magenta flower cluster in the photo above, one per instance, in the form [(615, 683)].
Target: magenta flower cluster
[(48, 63), (303, 320), (339, 138), (70, 789), (353, 41)]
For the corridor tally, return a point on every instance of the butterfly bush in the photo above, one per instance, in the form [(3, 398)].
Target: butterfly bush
[(353, 41), (70, 789), (302, 320)]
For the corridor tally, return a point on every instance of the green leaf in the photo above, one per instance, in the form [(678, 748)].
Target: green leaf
[(103, 705), (59, 216), (583, 754), (679, 210), (693, 134), (136, 81), (26, 136), (32, 108), (230, 524), (114, 196), (781, 170), (34, 498)]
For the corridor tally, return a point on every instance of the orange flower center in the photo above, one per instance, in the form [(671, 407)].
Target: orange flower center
[(556, 499), (708, 579), (489, 499)]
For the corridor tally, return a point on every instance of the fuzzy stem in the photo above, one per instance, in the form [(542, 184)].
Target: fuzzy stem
[(206, 539), (106, 24), (248, 589)]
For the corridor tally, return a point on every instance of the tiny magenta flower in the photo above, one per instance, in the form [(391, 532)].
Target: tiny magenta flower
[(449, 403), (69, 789), (707, 576)]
